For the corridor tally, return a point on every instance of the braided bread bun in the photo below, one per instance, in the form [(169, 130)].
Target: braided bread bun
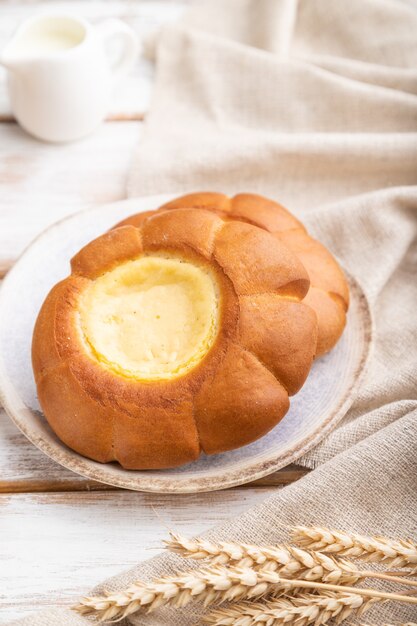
[(183, 335), (328, 294)]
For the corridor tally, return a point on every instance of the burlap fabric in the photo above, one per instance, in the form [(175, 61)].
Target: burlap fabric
[(314, 104)]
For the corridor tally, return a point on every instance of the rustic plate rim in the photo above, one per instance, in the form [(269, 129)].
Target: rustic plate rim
[(80, 465)]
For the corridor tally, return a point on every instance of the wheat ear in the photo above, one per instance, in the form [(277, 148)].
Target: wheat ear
[(303, 610), (399, 553), (209, 585), (288, 561)]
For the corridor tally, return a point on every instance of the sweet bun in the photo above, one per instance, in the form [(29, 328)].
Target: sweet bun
[(328, 294), (183, 335)]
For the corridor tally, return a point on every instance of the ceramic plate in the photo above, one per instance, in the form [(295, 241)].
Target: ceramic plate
[(314, 411)]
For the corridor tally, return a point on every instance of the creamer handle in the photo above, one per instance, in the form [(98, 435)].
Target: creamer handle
[(118, 30)]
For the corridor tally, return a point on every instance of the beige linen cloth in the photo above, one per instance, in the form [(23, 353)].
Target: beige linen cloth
[(314, 104)]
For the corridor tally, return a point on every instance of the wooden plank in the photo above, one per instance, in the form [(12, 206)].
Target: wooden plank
[(42, 183), (60, 545), (25, 469), (131, 98)]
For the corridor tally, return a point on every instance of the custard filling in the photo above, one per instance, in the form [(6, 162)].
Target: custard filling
[(151, 318)]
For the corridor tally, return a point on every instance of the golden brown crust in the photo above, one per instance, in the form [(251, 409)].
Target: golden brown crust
[(263, 212), (282, 334), (235, 394), (330, 315), (45, 354), (323, 270), (205, 200), (240, 404), (174, 439), (78, 419), (250, 257), (105, 252), (198, 233)]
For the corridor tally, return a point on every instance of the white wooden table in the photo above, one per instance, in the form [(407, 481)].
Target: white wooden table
[(59, 533)]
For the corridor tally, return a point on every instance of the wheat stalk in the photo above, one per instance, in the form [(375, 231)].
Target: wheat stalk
[(400, 553), (209, 585), (289, 561), (300, 610)]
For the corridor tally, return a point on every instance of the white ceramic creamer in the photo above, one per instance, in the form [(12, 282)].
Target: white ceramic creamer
[(61, 73)]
